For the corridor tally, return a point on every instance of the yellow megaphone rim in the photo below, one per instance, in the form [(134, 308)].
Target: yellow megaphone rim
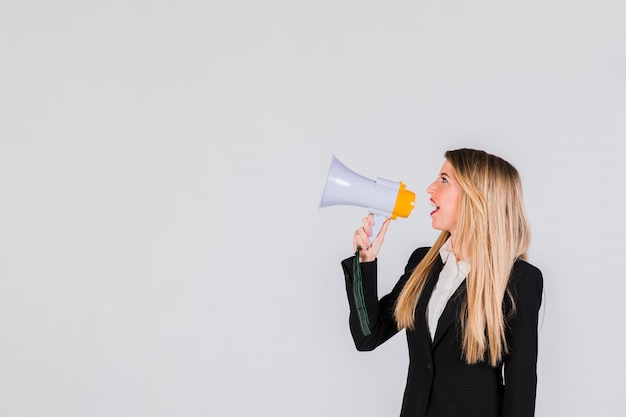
[(404, 202)]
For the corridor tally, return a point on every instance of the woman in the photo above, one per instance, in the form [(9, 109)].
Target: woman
[(469, 303)]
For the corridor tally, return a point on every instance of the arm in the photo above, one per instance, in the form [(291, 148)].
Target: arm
[(377, 314), (520, 365)]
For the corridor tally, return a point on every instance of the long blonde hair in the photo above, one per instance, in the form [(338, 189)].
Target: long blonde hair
[(492, 232)]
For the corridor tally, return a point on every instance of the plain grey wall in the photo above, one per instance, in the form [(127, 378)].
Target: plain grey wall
[(162, 252)]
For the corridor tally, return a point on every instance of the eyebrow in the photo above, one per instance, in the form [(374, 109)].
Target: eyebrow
[(448, 177)]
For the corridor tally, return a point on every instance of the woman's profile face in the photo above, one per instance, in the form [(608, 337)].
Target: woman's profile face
[(445, 195)]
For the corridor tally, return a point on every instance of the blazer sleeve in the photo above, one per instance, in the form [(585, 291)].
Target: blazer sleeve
[(520, 364), (372, 321)]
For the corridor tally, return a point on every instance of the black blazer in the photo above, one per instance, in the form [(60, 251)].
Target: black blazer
[(439, 382)]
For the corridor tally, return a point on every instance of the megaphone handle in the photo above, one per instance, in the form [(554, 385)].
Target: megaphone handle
[(379, 220)]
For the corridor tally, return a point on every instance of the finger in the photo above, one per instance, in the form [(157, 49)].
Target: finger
[(366, 235), (367, 222), (359, 239)]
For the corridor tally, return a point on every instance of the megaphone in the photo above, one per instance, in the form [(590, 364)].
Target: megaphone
[(383, 198)]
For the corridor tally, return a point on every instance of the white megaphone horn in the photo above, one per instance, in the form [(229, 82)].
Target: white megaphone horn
[(383, 198)]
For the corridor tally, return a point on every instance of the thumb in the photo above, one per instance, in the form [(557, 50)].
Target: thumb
[(383, 229), (380, 238)]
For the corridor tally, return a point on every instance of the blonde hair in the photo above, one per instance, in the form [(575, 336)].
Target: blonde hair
[(492, 231)]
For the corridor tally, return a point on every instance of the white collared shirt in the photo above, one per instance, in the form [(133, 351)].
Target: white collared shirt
[(450, 277)]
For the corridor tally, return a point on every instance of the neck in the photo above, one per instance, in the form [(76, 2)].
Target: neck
[(459, 257)]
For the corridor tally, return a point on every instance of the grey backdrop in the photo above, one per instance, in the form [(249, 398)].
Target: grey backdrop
[(162, 252)]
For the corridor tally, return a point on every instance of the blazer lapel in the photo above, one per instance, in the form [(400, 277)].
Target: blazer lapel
[(422, 304), (450, 312)]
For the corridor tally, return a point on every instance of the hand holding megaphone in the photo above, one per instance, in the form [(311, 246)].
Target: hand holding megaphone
[(366, 244), (384, 199)]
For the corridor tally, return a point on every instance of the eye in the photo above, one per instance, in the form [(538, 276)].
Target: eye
[(444, 180)]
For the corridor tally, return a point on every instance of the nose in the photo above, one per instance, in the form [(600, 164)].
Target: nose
[(431, 188)]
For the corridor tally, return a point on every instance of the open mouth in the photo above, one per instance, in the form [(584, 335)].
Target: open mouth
[(434, 204)]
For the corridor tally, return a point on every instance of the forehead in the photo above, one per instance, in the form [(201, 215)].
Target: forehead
[(447, 169)]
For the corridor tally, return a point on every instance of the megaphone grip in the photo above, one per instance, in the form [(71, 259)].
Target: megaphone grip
[(375, 227)]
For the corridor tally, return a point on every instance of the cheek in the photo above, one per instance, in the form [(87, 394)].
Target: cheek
[(456, 207), (455, 204)]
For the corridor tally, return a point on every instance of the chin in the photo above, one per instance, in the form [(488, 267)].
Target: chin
[(440, 228)]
